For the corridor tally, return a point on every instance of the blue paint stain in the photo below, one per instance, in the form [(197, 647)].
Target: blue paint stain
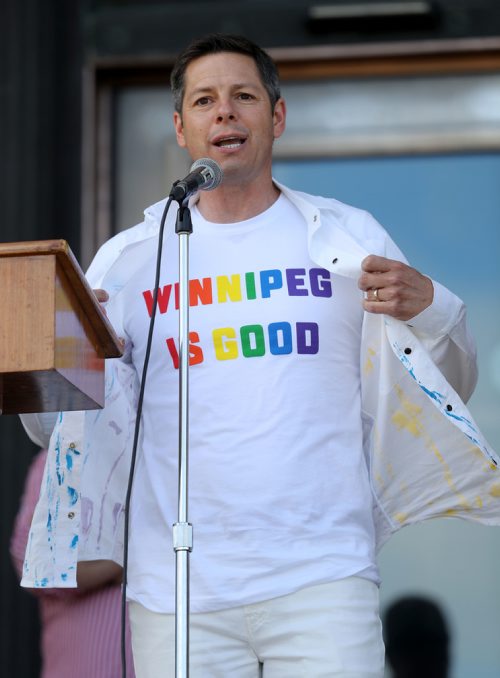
[(458, 418), (64, 576), (49, 522), (435, 395), (73, 496), (74, 542), (69, 461), (60, 476), (43, 582)]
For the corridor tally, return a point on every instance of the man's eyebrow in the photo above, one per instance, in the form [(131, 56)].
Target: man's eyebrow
[(208, 89), (244, 85), (199, 90)]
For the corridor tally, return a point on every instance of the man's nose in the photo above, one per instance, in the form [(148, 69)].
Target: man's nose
[(226, 110)]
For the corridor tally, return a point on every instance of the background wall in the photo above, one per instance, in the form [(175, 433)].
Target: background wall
[(40, 104)]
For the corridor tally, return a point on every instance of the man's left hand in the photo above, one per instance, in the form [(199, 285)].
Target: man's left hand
[(394, 288)]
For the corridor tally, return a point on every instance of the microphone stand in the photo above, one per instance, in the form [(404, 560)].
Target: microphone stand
[(182, 529)]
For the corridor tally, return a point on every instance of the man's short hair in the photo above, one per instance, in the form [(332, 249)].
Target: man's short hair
[(215, 43)]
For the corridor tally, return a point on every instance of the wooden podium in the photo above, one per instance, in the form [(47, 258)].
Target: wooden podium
[(54, 336)]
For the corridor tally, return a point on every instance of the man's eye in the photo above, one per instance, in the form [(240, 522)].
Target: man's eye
[(245, 96), (202, 101)]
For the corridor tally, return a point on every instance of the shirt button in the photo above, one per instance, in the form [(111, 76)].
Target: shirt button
[(71, 515), (407, 351), (449, 408), (72, 446)]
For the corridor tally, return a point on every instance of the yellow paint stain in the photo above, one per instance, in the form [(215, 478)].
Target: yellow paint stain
[(408, 416), (495, 491), (479, 502), (488, 465), (448, 475), (403, 421), (474, 449), (401, 517), (380, 480), (369, 363), (438, 454), (408, 406), (450, 513)]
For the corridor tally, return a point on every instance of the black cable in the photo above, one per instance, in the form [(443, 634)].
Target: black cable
[(136, 438)]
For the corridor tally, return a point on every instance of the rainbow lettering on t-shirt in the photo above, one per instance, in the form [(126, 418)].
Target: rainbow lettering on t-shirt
[(255, 340), (297, 282)]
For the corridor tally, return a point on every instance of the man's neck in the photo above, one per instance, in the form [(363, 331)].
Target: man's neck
[(229, 204)]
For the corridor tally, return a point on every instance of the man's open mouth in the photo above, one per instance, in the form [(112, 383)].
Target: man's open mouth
[(230, 142)]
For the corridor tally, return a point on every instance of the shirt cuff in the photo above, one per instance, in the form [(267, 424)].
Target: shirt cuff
[(438, 319)]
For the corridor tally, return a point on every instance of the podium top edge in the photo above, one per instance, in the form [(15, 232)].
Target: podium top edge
[(25, 247)]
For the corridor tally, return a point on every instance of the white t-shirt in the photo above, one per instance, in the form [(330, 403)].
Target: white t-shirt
[(279, 494)]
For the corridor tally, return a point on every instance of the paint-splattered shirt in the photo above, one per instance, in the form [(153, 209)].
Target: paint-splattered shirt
[(80, 633)]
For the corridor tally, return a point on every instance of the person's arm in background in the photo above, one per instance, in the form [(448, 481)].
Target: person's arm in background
[(95, 574)]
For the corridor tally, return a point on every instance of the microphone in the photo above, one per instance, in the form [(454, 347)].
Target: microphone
[(204, 174)]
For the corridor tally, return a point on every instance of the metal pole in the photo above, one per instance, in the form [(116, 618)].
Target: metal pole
[(182, 530)]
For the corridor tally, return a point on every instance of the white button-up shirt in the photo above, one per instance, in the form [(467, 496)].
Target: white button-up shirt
[(426, 456)]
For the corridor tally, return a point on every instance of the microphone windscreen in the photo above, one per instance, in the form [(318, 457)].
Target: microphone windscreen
[(216, 173)]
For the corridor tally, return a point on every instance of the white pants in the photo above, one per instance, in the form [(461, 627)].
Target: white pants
[(329, 630)]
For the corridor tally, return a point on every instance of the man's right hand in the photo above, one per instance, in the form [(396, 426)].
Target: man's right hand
[(102, 298)]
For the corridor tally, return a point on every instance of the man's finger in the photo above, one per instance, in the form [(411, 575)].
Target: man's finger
[(371, 281), (377, 307), (375, 264), (373, 294), (101, 295)]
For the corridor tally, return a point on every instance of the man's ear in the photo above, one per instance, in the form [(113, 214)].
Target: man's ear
[(179, 130), (279, 118)]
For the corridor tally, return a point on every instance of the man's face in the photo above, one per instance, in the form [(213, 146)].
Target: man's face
[(227, 116)]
